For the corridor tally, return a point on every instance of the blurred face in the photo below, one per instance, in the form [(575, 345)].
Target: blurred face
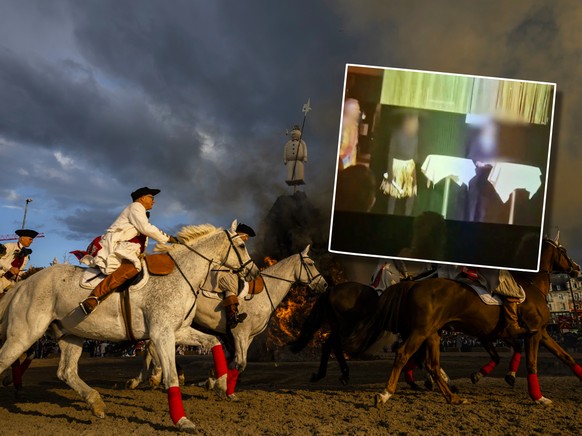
[(243, 236), (147, 201), (411, 125), (25, 241)]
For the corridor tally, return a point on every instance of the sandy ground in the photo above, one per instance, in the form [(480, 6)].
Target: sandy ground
[(278, 399)]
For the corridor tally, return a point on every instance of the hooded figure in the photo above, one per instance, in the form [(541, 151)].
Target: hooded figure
[(294, 157)]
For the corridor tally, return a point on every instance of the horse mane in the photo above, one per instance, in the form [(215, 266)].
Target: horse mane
[(187, 235)]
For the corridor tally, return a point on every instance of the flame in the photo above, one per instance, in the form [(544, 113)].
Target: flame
[(289, 317)]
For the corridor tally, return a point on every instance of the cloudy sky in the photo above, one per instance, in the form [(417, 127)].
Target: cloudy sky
[(98, 98)]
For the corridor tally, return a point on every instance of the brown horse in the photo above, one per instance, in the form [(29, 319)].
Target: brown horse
[(423, 308)]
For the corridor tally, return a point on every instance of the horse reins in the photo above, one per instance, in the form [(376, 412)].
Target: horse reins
[(210, 261), (310, 277)]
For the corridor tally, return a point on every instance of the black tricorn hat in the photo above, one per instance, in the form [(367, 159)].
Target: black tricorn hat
[(143, 191), (247, 230), (27, 232)]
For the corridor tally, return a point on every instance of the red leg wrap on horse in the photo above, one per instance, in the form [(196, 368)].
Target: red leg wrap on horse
[(515, 360), (176, 406), (24, 365), (488, 368), (407, 370), (220, 366), (578, 371), (231, 380), (533, 387), (16, 374)]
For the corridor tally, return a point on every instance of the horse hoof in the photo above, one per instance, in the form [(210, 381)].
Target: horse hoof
[(220, 386), (380, 399), (456, 400), (181, 380), (7, 380), (131, 384), (185, 425), (475, 377), (344, 379), (315, 378), (544, 401), (414, 386), (429, 385), (510, 380)]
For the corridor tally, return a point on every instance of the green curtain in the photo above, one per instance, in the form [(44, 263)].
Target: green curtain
[(505, 99)]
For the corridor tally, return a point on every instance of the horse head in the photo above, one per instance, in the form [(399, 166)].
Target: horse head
[(558, 258), (237, 257), (307, 274)]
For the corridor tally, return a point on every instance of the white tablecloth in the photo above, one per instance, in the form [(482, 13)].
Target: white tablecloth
[(507, 177), (438, 167)]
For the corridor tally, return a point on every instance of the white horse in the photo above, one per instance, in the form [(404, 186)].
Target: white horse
[(278, 278), (160, 310)]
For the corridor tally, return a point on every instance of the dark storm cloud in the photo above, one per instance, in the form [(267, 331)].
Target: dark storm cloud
[(106, 96), (193, 98)]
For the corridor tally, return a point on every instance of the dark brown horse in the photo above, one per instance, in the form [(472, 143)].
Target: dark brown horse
[(340, 308), (423, 308), (345, 305)]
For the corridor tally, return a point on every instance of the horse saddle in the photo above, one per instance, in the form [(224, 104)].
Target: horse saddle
[(486, 296)]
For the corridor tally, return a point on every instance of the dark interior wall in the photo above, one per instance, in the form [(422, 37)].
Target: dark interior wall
[(448, 134)]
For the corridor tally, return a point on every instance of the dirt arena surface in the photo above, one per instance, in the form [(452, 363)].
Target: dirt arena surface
[(278, 399)]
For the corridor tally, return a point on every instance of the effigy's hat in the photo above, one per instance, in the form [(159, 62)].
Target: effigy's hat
[(143, 191), (27, 232), (247, 230)]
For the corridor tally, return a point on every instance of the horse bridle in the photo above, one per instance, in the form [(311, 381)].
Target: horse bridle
[(242, 265), (562, 251), (303, 265), (311, 278)]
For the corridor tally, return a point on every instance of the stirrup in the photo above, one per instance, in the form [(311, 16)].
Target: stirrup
[(88, 309)]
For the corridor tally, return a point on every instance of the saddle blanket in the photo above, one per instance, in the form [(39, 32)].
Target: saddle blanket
[(91, 277), (484, 294), (220, 295)]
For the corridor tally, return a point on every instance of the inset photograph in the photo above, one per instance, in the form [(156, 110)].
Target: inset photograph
[(442, 167)]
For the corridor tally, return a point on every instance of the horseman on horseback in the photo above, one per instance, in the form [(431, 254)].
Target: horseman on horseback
[(230, 284), (118, 252), (14, 256)]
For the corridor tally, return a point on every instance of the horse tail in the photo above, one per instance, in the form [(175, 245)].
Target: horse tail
[(384, 318), (312, 324)]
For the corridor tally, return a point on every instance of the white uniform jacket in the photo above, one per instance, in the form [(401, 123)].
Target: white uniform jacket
[(116, 243)]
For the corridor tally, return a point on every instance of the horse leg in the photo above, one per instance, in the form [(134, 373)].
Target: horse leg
[(440, 378), (403, 354), (18, 341), (241, 346), (485, 370), (514, 363), (341, 360), (532, 345), (147, 361), (325, 353), (165, 342), (71, 349), (552, 346), (155, 378)]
